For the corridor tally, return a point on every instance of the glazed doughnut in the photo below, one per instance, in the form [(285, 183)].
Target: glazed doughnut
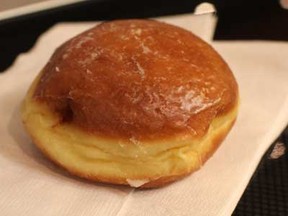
[(132, 102)]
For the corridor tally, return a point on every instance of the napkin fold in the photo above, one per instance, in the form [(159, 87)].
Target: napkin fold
[(32, 185)]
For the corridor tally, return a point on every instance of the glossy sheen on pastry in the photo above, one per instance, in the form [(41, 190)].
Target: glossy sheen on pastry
[(133, 102)]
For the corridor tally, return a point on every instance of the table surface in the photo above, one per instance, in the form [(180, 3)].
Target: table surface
[(267, 192)]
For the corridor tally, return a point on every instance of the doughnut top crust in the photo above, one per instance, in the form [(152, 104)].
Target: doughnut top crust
[(137, 79)]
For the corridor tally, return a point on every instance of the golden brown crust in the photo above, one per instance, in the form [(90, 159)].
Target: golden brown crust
[(157, 87), (205, 153), (138, 78)]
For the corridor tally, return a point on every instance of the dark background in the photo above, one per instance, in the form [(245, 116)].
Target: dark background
[(242, 19), (267, 192)]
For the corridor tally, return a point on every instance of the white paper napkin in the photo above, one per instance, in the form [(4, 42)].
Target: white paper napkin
[(31, 185)]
